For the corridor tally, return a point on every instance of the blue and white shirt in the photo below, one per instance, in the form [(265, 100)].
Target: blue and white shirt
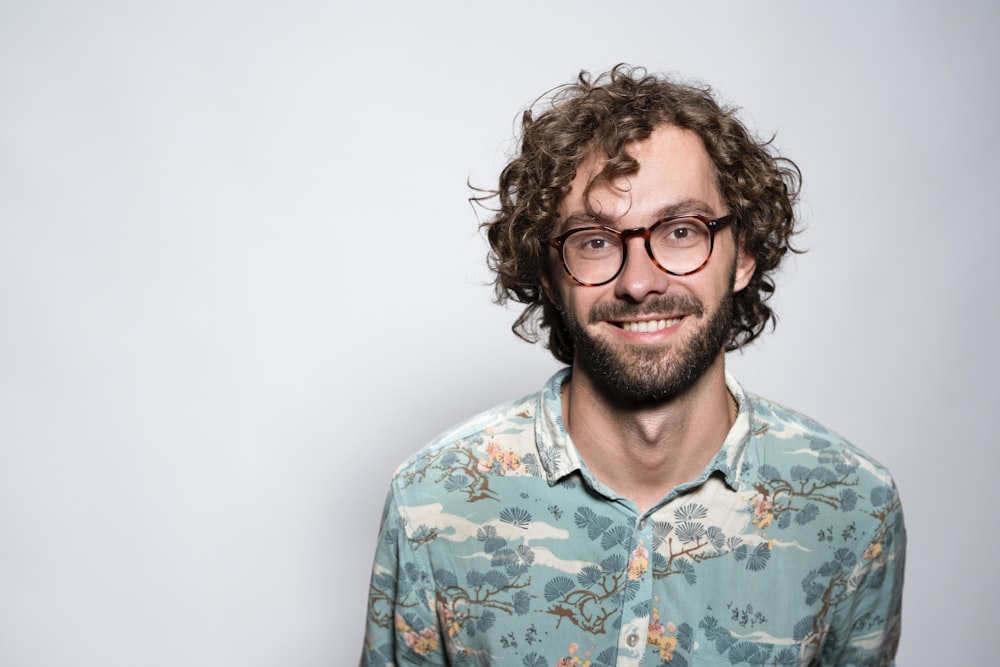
[(498, 547)]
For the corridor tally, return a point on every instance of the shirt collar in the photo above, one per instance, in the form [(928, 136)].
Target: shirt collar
[(560, 458)]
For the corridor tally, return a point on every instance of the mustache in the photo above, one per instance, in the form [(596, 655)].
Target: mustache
[(681, 304)]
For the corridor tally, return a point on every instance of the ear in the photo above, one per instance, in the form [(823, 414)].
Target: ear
[(550, 291), (745, 266)]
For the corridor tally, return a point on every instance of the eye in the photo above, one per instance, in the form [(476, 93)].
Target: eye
[(592, 243), (681, 233)]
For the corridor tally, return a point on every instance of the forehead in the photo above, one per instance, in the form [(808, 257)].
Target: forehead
[(675, 175)]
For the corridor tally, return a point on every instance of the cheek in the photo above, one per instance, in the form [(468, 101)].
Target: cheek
[(572, 299)]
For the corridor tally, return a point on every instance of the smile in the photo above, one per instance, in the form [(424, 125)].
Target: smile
[(647, 326)]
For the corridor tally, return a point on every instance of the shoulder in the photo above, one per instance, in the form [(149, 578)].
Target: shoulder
[(808, 485), (514, 418), (801, 450), (778, 430)]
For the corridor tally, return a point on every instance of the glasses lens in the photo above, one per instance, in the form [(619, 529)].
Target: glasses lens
[(593, 255), (681, 245)]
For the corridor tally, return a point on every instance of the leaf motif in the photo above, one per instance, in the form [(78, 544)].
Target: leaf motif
[(522, 603), (758, 559), (661, 529), (457, 482), (534, 660), (690, 531), (845, 465), (684, 566), (607, 657), (594, 523), (589, 576), (813, 593), (846, 558), (800, 473), (486, 621), (786, 656), (613, 564), (526, 554), (643, 608), (685, 636), (445, 578), (848, 500), (514, 571), (531, 465), (412, 572), (502, 557), (818, 444), (742, 652), (619, 536), (491, 541), (822, 475), (551, 458), (807, 514), (769, 473), (803, 629), (584, 517), (690, 512), (829, 568), (557, 587), (497, 579), (881, 496), (600, 524), (492, 545), (516, 516), (716, 537), (631, 589)]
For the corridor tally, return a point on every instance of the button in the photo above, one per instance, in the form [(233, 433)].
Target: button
[(632, 640), (642, 524)]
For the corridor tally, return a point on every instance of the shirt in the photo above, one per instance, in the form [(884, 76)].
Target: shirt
[(498, 547)]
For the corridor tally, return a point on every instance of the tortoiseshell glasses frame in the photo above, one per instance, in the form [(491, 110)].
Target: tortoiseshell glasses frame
[(679, 245)]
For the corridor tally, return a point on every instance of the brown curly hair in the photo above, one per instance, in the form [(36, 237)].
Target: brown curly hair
[(602, 115)]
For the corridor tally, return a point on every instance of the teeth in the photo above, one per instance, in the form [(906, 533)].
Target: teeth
[(649, 325)]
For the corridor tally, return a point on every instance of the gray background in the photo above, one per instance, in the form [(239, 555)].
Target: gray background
[(240, 282)]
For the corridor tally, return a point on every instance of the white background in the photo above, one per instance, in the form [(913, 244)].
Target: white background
[(240, 282)]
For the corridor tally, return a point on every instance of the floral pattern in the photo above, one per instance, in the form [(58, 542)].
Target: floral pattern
[(498, 547)]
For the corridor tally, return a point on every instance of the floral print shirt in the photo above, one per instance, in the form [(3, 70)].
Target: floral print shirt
[(498, 547)]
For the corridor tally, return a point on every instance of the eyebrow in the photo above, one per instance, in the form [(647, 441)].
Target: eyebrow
[(690, 205)]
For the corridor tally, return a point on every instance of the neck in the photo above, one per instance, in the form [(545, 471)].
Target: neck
[(644, 450)]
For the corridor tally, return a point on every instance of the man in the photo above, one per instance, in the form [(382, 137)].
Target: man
[(642, 509)]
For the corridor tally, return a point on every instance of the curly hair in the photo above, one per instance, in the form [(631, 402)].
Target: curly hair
[(602, 116)]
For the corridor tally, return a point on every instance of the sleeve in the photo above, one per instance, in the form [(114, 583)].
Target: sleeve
[(402, 625), (866, 630)]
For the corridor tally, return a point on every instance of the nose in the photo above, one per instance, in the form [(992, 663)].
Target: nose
[(640, 278)]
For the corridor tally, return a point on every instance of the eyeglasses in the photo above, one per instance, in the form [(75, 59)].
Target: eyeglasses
[(679, 245)]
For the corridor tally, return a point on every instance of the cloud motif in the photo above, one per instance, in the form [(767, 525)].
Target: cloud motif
[(459, 529)]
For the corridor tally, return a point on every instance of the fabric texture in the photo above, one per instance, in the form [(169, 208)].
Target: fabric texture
[(498, 547)]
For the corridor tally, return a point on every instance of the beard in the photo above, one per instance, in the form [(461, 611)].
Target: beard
[(644, 374)]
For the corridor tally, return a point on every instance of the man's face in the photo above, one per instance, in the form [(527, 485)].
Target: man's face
[(648, 335)]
